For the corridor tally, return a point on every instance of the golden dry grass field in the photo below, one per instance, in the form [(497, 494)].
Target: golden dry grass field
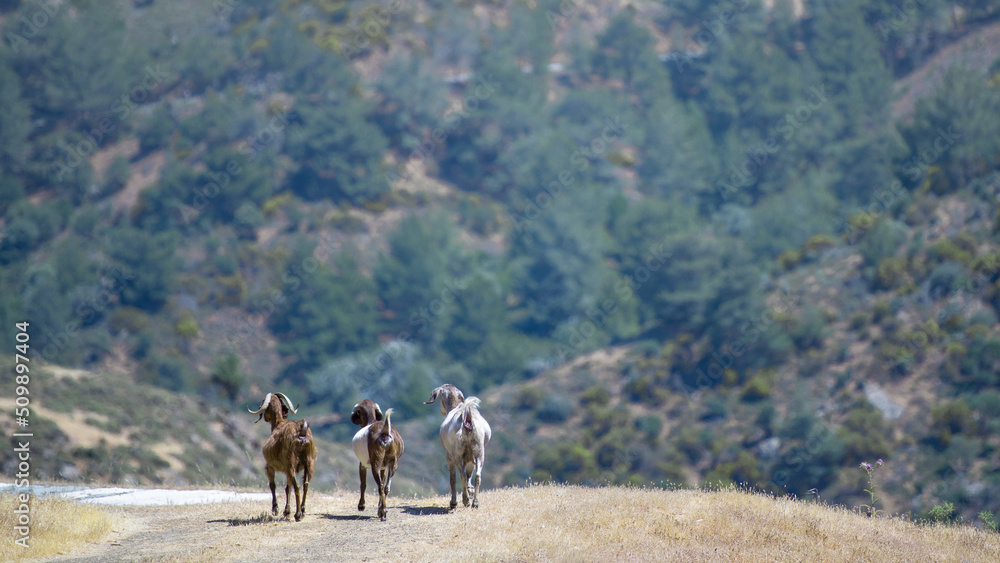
[(537, 523)]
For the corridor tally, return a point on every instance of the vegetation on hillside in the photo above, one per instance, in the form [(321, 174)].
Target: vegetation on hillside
[(354, 198)]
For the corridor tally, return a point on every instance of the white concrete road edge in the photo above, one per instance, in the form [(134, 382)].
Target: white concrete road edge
[(135, 497)]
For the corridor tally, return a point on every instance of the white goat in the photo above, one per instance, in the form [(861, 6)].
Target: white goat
[(464, 434)]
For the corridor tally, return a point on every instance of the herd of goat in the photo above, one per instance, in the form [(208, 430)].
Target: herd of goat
[(290, 448)]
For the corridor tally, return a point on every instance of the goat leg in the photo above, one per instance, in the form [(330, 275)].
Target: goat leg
[(465, 484), (274, 496), (288, 494), (364, 484), (376, 474), (306, 476), (475, 489), (451, 477), (298, 500)]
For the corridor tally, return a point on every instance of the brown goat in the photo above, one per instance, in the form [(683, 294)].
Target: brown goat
[(451, 397), (377, 445), (289, 449)]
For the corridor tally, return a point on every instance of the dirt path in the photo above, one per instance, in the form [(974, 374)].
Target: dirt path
[(333, 530)]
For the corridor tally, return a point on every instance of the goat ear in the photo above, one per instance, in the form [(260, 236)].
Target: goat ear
[(357, 416), (378, 413)]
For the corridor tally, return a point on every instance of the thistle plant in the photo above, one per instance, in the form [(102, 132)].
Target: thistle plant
[(989, 521), (870, 470)]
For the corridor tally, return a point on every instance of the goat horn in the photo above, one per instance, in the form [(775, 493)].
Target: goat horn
[(288, 403), (434, 396), (263, 405)]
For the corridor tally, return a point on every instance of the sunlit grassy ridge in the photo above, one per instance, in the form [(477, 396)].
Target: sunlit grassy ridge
[(536, 523), (569, 523), (57, 526)]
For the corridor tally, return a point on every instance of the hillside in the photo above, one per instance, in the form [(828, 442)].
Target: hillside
[(667, 245), (557, 523), (103, 428)]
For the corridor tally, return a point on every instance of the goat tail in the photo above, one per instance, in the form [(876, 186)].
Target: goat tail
[(385, 438), (467, 406)]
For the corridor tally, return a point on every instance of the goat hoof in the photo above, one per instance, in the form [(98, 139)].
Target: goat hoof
[(298, 517), (361, 507), (475, 504), (452, 505)]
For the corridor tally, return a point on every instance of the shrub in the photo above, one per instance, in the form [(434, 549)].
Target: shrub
[(187, 326), (227, 375), (649, 425), (881, 310), (941, 513), (528, 398), (989, 520), (554, 409), (789, 259), (129, 319), (595, 394), (949, 419), (946, 278), (758, 386), (808, 329), (117, 175), (947, 250), (819, 242), (859, 320), (891, 271)]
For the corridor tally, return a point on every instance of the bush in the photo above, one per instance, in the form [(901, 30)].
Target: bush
[(554, 409), (595, 394), (758, 386), (891, 271), (528, 398), (946, 278), (949, 419), (117, 175), (789, 259), (941, 513), (819, 242), (227, 375), (649, 425), (808, 330)]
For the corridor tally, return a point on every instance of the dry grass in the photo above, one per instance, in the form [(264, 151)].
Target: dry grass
[(57, 526), (539, 523), (588, 524)]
